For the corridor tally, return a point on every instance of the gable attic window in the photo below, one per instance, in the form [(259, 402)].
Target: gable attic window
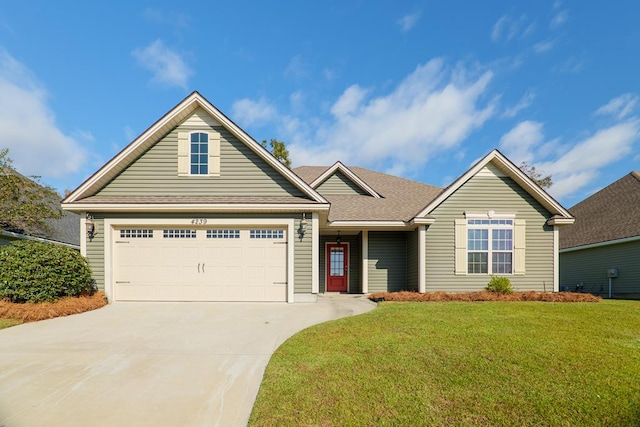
[(199, 153), (199, 164)]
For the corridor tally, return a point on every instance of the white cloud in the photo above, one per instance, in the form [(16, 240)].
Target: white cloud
[(507, 28), (349, 101), (167, 66), (296, 68), (407, 22), (543, 46), (432, 110), (619, 107), (580, 165), (523, 103), (28, 127), (559, 18), (520, 142), (247, 112)]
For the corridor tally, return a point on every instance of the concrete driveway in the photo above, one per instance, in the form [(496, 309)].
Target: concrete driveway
[(150, 364)]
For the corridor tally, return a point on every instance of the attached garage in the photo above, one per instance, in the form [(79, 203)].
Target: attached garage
[(227, 263)]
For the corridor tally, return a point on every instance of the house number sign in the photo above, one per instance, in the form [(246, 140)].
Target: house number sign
[(199, 221)]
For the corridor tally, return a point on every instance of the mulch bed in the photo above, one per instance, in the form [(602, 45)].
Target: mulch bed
[(30, 312), (483, 296)]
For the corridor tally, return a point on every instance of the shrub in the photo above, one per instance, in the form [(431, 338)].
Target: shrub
[(499, 285), (38, 272)]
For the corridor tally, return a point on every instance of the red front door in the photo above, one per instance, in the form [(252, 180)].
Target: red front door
[(337, 267)]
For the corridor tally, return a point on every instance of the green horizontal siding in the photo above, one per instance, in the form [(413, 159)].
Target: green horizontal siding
[(387, 261), (412, 260), (242, 172), (95, 252), (482, 194), (589, 267), (339, 183), (302, 256)]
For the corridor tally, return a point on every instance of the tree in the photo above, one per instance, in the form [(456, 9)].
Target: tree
[(25, 203), (536, 175), (279, 151)]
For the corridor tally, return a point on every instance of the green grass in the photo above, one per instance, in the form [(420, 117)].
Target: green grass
[(448, 364), (5, 323)]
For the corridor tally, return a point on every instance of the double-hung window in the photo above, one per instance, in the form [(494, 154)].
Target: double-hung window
[(490, 246), (199, 164)]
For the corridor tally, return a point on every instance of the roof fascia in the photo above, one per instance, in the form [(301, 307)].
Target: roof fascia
[(600, 244), (37, 239), (192, 207), (339, 166), (514, 173), (367, 224), (178, 113)]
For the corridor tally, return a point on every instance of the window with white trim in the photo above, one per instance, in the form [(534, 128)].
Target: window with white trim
[(199, 160), (490, 246)]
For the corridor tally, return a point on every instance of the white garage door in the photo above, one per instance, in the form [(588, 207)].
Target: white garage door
[(222, 264)]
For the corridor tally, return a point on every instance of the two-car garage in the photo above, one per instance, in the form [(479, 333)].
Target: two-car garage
[(181, 263)]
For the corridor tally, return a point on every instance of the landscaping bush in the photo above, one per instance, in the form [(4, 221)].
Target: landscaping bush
[(42, 272), (500, 285)]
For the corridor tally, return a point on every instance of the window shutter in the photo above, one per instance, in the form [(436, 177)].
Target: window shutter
[(519, 246), (214, 154), (183, 153), (461, 246)]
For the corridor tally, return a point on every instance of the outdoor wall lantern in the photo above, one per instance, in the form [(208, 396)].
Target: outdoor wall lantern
[(91, 226), (338, 239), (303, 226)]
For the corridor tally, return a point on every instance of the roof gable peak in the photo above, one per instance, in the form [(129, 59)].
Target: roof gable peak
[(352, 176)]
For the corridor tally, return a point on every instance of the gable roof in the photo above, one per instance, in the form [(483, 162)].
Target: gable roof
[(160, 128), (400, 199), (339, 167), (612, 213), (495, 157)]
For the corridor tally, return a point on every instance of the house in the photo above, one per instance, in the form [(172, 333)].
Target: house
[(62, 231), (603, 247), (194, 209)]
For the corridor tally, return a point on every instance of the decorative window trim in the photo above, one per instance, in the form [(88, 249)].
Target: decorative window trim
[(461, 225), (225, 233), (184, 153)]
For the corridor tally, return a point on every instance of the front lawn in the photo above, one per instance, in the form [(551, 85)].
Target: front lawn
[(443, 364)]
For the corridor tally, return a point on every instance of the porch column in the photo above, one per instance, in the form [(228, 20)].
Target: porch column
[(556, 256), (422, 262), (365, 261), (315, 253)]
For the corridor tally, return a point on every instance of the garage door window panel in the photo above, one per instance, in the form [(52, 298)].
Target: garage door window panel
[(179, 233), (266, 234), (136, 233), (223, 234)]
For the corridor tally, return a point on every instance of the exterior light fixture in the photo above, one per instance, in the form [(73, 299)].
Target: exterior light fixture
[(91, 226), (303, 225), (338, 239)]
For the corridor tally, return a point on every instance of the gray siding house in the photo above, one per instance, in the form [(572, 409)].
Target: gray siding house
[(603, 247), (195, 209)]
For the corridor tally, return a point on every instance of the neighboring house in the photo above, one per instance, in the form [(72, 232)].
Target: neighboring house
[(62, 231), (195, 209), (603, 246)]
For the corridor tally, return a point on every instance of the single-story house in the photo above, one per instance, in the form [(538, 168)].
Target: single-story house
[(194, 209), (603, 247)]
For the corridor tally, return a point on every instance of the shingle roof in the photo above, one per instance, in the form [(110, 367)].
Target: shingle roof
[(610, 214), (401, 198)]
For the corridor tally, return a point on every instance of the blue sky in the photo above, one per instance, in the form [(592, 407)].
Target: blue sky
[(421, 89)]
